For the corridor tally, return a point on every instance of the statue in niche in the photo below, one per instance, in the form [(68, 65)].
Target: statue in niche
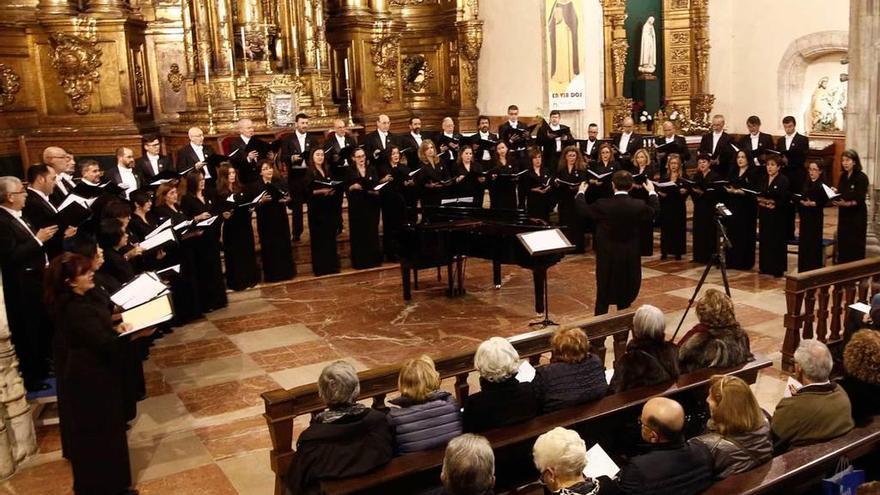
[(827, 106), (648, 53), (562, 28)]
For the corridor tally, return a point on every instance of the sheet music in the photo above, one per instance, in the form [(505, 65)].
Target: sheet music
[(207, 222), (149, 314), (166, 235), (788, 386), (73, 198), (609, 374), (141, 289), (380, 186), (166, 224), (829, 192), (664, 184), (526, 372), (544, 240), (860, 306), (172, 268), (599, 463), (182, 225)]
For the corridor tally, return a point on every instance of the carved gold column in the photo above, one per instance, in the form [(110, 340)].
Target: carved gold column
[(470, 42), (679, 73), (616, 106)]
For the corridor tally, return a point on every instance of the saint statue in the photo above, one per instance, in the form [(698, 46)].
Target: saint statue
[(827, 106), (562, 27), (648, 53)]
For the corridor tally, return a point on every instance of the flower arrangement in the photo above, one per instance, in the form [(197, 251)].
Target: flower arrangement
[(645, 117)]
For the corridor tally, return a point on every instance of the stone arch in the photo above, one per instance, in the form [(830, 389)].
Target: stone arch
[(793, 66)]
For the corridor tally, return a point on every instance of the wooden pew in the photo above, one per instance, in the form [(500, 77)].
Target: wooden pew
[(802, 466), (406, 473), (283, 406)]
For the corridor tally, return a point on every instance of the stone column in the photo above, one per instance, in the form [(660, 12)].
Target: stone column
[(17, 416), (863, 107)]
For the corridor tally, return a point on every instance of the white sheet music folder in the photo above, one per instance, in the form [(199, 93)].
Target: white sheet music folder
[(149, 314), (544, 241)]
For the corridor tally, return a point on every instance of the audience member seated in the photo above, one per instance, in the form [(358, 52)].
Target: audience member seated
[(671, 466), (717, 341), (649, 359), (818, 411), (561, 456), (574, 376), (347, 439), (861, 381), (739, 433), (856, 319), (426, 417), (502, 399), (468, 467)]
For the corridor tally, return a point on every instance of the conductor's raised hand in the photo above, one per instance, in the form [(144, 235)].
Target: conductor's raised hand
[(583, 187)]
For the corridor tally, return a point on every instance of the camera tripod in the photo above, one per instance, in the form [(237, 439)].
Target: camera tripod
[(719, 259)]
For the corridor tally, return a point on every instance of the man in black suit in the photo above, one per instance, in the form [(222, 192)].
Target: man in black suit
[(756, 143), (339, 161), (22, 263), (484, 151), (377, 142), (151, 162), (246, 162), (195, 155), (553, 136), (64, 166), (411, 142), (618, 220), (590, 146), (794, 148), (627, 143), (295, 150), (670, 143), (124, 174), (39, 212), (517, 145), (448, 144), (716, 144)]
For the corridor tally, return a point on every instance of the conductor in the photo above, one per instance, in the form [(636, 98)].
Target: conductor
[(618, 220)]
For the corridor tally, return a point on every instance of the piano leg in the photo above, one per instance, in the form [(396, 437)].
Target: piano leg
[(405, 277), (496, 273)]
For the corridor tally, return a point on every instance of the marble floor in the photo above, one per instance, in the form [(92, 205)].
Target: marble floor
[(200, 429)]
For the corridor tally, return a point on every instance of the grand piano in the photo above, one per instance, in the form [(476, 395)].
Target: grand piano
[(448, 235)]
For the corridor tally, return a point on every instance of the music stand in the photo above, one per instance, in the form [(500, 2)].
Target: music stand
[(540, 244)]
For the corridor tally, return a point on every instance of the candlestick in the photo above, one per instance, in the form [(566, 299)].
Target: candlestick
[(266, 53), (244, 51), (348, 97), (320, 80)]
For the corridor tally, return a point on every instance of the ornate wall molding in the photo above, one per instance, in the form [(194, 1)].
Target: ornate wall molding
[(417, 73), (175, 78), (793, 66), (76, 58), (470, 44), (385, 55), (10, 85)]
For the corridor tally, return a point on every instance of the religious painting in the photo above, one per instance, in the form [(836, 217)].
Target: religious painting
[(564, 56)]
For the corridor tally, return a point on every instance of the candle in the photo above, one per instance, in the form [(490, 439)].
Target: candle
[(346, 72), (231, 60), (244, 52), (207, 69), (318, 56)]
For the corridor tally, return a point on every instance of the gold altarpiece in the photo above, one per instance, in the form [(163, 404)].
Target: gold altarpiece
[(686, 52), (94, 75)]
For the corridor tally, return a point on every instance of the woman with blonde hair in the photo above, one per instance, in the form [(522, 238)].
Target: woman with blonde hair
[(673, 210), (572, 170), (738, 434), (643, 171), (425, 417), (432, 179), (574, 376), (717, 341)]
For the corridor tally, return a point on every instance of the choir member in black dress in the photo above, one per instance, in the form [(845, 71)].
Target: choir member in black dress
[(276, 250), (642, 171), (605, 165), (772, 236), (93, 374), (673, 211), (538, 183), (139, 225), (704, 196), (394, 197), (742, 226), (184, 290), (322, 215), (432, 180), (811, 208), (469, 178), (502, 180), (113, 239), (852, 212), (239, 253), (363, 213), (198, 205), (571, 171)]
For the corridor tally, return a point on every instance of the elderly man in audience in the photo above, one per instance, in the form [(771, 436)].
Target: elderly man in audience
[(649, 359), (671, 466), (574, 376), (739, 433), (861, 381), (468, 467), (502, 399), (820, 410), (717, 341), (426, 417), (560, 456), (347, 439)]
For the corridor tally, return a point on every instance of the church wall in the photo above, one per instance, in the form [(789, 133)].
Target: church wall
[(749, 39)]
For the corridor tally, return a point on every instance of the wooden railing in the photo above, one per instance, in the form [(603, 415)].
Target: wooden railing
[(816, 302), (283, 406)]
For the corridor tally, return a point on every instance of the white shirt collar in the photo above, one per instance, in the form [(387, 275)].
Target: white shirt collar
[(620, 193), (245, 138), (484, 135), (555, 127), (14, 213), (755, 134), (382, 133), (513, 123), (717, 134), (448, 134), (93, 184), (627, 134), (42, 195), (670, 139), (197, 147)]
